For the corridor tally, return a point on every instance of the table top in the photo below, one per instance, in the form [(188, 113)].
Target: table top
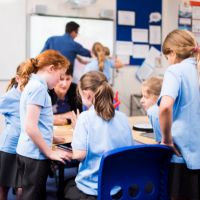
[(139, 136)]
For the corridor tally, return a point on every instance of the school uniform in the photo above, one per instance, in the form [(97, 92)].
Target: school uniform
[(152, 114), (93, 66), (96, 136), (9, 107), (33, 164), (181, 83)]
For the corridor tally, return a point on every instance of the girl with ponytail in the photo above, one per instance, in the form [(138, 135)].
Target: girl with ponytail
[(179, 113), (36, 116), (9, 107), (97, 130), (100, 62)]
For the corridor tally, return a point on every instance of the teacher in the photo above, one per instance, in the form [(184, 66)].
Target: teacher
[(66, 45)]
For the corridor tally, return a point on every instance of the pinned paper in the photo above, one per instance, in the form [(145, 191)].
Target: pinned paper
[(126, 18), (154, 17), (155, 35), (139, 35), (124, 48), (140, 50)]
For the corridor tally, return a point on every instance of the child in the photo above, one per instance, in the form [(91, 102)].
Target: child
[(34, 145), (179, 113), (64, 100), (9, 107), (99, 63), (150, 92), (99, 129)]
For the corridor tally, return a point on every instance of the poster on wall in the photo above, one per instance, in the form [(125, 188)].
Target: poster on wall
[(185, 15)]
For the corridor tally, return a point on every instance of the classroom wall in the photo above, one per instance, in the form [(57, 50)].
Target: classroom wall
[(21, 8)]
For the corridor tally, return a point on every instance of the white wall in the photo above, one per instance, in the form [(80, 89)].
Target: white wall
[(21, 8)]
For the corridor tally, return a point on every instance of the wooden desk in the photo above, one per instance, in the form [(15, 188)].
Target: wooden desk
[(67, 131), (139, 135)]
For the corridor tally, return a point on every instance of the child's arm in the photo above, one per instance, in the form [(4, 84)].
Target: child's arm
[(31, 128), (78, 155), (165, 119)]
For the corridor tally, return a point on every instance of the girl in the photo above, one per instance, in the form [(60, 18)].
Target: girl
[(9, 107), (179, 113), (150, 92), (34, 145), (99, 63), (97, 130)]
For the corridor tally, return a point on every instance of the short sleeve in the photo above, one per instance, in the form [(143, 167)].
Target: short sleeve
[(80, 134), (170, 86), (37, 96)]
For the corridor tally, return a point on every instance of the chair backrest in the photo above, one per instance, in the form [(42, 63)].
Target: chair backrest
[(141, 171)]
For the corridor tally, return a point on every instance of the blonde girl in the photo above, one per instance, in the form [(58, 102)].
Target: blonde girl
[(150, 92), (99, 63), (179, 113), (99, 129), (34, 145)]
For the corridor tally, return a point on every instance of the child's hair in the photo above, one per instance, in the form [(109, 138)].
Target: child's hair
[(99, 52), (153, 85), (48, 57), (107, 51), (182, 42), (103, 93), (13, 81)]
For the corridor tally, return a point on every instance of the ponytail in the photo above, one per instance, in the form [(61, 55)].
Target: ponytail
[(103, 102), (101, 59), (29, 68), (103, 93), (99, 52), (13, 81)]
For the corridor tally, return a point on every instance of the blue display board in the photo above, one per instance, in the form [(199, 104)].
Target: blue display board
[(142, 9)]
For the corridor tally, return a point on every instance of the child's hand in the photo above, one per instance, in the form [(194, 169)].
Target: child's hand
[(74, 118), (60, 155), (176, 151), (58, 140)]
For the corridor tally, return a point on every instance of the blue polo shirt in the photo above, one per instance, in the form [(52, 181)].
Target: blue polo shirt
[(66, 45), (153, 113), (93, 66), (9, 107), (181, 82), (97, 136), (35, 93)]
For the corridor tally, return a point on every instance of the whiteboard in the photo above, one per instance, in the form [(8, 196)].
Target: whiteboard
[(90, 31)]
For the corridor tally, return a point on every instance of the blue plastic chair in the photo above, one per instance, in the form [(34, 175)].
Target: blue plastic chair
[(141, 171)]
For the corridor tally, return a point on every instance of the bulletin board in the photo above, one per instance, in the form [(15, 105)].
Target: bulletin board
[(143, 20)]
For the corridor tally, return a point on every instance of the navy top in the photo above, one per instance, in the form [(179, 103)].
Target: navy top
[(66, 45), (70, 102)]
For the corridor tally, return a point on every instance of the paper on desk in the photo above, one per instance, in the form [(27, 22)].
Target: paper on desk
[(124, 48), (139, 35), (126, 18)]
